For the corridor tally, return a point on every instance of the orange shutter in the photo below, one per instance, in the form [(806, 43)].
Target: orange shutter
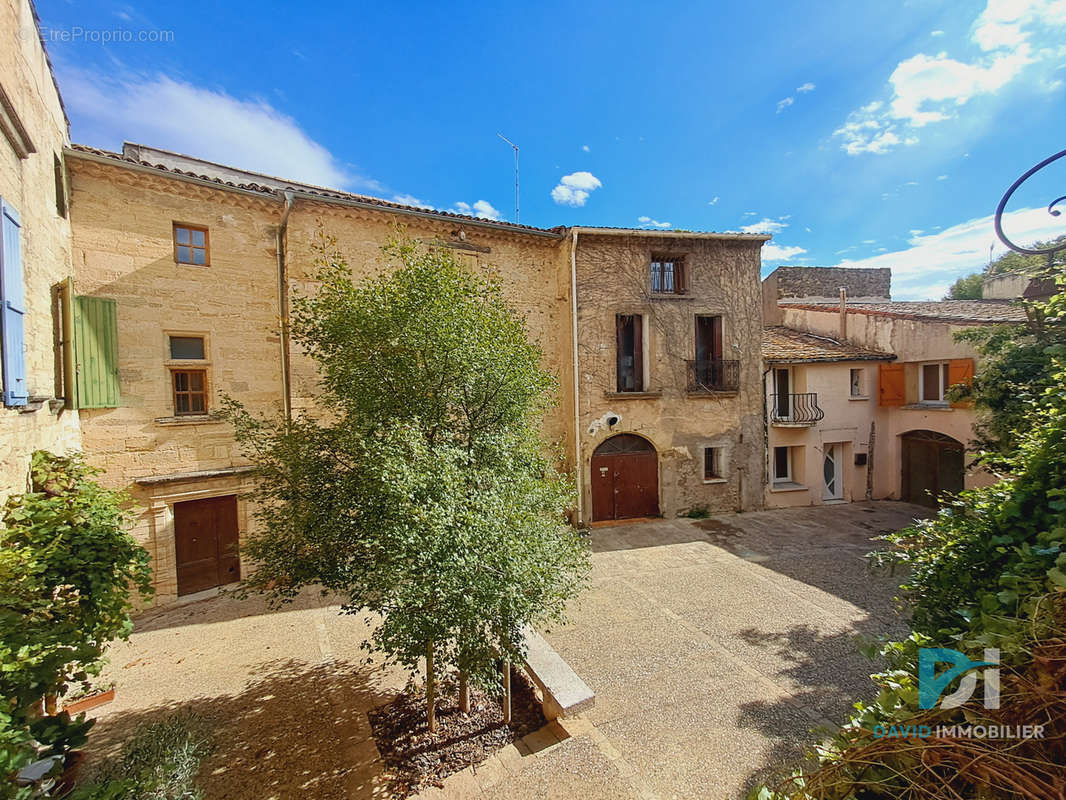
[(891, 390), (960, 370)]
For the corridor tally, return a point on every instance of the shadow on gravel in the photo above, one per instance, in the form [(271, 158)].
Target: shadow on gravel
[(296, 730)]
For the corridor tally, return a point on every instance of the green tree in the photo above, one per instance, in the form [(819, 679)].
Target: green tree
[(422, 492), (969, 287), (67, 568)]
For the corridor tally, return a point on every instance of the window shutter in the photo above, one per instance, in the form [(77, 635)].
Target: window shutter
[(96, 352), (960, 370), (892, 387), (638, 352), (12, 309)]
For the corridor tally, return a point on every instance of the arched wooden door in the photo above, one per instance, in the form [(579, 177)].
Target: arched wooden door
[(625, 478), (932, 464)]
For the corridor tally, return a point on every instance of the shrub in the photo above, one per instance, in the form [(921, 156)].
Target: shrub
[(159, 762)]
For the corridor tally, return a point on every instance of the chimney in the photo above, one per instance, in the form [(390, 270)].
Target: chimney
[(843, 313)]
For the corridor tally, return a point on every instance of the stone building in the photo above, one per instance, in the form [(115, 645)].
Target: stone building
[(857, 400), (191, 265), (35, 301)]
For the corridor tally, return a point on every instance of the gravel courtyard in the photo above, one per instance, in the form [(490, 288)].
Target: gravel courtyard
[(713, 646)]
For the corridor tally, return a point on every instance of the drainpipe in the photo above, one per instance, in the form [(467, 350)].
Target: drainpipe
[(283, 306), (579, 466)]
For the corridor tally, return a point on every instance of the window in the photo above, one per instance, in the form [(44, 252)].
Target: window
[(190, 391), (185, 347), (782, 464), (782, 399), (630, 352), (63, 342), (12, 309), (933, 382), (668, 275), (712, 464), (191, 245), (188, 369), (857, 383), (61, 186)]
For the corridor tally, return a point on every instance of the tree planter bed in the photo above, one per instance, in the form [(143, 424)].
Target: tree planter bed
[(415, 758), (89, 702)]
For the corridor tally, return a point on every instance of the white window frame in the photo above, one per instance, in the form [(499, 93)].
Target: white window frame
[(861, 373), (787, 477), (720, 459), (942, 379)]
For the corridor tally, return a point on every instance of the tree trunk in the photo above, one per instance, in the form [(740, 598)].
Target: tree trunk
[(431, 691), (464, 692), (507, 692)]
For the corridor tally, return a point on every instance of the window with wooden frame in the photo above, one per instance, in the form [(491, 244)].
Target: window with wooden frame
[(192, 245), (63, 342), (782, 465), (933, 383), (668, 275), (712, 464), (629, 329), (187, 361)]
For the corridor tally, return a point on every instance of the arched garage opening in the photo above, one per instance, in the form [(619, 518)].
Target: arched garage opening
[(932, 464), (625, 478)]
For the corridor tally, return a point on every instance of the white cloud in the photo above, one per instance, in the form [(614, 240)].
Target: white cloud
[(927, 89), (869, 241), (936, 33), (941, 177), (573, 189), (771, 252), (480, 208), (206, 123), (714, 202), (585, 147), (807, 87), (765, 225), (648, 222), (783, 104), (934, 261), (410, 200)]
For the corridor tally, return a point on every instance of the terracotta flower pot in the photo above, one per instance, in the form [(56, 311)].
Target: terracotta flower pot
[(90, 702)]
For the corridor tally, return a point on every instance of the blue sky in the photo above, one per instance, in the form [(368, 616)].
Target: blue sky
[(857, 133)]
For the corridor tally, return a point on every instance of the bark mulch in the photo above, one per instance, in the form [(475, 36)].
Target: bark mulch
[(414, 758)]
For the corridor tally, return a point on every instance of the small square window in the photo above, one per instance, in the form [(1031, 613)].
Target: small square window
[(187, 347), (190, 391), (191, 245), (667, 275), (712, 463), (933, 383), (856, 383)]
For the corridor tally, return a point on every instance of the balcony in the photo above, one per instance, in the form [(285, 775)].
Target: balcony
[(711, 377), (795, 410)]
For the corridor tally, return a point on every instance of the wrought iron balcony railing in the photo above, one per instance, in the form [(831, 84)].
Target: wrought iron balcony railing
[(795, 409), (719, 375)]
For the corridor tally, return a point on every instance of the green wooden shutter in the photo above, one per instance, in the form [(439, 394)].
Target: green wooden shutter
[(96, 352)]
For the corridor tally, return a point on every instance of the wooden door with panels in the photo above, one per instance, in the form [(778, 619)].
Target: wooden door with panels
[(205, 543), (625, 479)]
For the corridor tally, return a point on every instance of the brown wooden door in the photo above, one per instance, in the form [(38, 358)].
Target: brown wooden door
[(932, 465), (625, 479), (205, 543)]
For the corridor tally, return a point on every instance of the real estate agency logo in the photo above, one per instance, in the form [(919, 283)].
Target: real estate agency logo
[(931, 687)]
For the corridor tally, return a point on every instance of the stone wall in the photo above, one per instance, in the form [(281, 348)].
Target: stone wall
[(823, 283), (723, 279), (27, 182)]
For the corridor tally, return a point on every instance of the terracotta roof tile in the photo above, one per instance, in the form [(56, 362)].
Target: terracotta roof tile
[(962, 311), (780, 344)]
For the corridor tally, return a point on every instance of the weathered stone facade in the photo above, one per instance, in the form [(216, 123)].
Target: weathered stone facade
[(613, 278), (823, 283), (28, 184), (123, 215)]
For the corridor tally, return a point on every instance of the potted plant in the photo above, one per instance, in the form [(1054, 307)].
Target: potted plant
[(89, 695)]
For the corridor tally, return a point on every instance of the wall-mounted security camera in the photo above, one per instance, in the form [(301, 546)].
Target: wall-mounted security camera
[(612, 421)]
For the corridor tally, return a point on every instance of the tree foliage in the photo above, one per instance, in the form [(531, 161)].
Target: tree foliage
[(968, 287), (989, 570), (422, 491), (67, 567)]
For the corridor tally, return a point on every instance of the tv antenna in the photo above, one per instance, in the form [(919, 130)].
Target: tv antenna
[(515, 148)]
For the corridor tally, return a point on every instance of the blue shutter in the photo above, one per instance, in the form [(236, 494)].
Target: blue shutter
[(12, 309)]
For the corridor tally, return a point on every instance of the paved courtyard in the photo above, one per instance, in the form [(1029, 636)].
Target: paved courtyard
[(713, 646)]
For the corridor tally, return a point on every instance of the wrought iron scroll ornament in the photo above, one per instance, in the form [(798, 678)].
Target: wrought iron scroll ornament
[(1057, 246)]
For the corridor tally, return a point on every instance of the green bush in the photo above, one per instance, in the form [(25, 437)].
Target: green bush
[(159, 762)]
